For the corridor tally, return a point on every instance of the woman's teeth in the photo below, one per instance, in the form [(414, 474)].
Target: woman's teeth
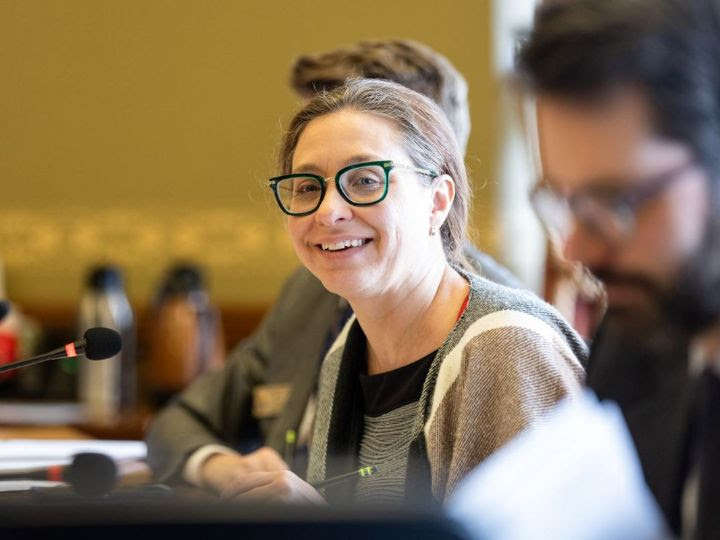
[(342, 245)]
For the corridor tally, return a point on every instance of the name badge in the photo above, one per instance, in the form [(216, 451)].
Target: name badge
[(269, 399)]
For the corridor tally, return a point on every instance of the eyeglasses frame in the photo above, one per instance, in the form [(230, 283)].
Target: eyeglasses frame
[(623, 208), (387, 166)]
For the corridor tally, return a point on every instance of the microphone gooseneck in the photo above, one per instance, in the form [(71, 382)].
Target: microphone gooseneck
[(97, 344)]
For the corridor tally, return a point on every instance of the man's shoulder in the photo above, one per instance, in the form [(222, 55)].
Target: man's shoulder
[(302, 288), (302, 278)]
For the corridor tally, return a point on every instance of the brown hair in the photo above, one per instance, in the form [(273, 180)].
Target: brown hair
[(411, 64), (427, 136)]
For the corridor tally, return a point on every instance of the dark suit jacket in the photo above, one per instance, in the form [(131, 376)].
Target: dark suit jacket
[(218, 407), (668, 414)]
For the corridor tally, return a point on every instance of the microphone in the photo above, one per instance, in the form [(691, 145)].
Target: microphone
[(4, 308), (90, 474), (97, 344)]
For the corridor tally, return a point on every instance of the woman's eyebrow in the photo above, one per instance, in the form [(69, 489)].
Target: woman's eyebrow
[(307, 168), (313, 168), (359, 158)]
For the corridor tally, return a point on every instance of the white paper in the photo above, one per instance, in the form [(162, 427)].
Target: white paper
[(22, 454), (575, 476), (25, 485)]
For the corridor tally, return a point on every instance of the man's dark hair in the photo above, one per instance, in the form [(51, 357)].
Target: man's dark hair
[(582, 50), (669, 49)]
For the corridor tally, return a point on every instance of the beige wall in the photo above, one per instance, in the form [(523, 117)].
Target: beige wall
[(141, 131)]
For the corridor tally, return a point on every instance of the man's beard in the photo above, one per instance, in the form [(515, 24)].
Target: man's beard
[(691, 303), (650, 311), (696, 300)]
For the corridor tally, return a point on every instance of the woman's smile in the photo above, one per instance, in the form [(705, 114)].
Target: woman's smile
[(342, 249), (338, 245)]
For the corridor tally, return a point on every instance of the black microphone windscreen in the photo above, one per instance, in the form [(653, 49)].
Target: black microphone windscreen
[(91, 474), (101, 343), (4, 308)]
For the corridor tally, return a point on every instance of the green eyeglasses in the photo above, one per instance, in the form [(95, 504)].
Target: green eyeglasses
[(360, 184)]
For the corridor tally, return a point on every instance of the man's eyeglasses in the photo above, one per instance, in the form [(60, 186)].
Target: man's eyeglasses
[(607, 214), (360, 184)]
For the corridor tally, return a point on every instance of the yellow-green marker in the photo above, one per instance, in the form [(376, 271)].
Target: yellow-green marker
[(363, 472), (290, 439)]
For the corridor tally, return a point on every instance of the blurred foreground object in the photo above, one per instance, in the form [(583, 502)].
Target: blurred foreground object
[(576, 476), (186, 336), (165, 517)]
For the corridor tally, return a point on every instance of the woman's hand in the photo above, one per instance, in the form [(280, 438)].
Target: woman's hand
[(277, 486), (220, 472)]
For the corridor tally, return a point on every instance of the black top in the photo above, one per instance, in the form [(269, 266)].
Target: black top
[(384, 392), (347, 423)]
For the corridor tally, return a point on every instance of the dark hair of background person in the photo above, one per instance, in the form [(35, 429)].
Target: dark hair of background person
[(405, 62), (583, 50), (427, 137)]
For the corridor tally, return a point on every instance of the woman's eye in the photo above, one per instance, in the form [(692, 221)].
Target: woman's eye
[(366, 181), (307, 188)]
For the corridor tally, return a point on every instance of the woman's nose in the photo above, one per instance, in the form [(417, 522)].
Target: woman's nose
[(333, 207)]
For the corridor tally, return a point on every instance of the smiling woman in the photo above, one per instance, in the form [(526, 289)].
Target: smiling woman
[(356, 246), (438, 367)]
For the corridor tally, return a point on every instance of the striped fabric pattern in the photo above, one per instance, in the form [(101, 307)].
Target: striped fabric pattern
[(385, 443), (506, 362)]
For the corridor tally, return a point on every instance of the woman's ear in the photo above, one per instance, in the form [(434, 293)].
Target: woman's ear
[(442, 198)]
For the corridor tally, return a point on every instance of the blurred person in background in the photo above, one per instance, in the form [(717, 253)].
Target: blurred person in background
[(628, 110), (262, 405)]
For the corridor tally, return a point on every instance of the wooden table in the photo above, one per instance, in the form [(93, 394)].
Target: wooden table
[(42, 432), (68, 420)]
